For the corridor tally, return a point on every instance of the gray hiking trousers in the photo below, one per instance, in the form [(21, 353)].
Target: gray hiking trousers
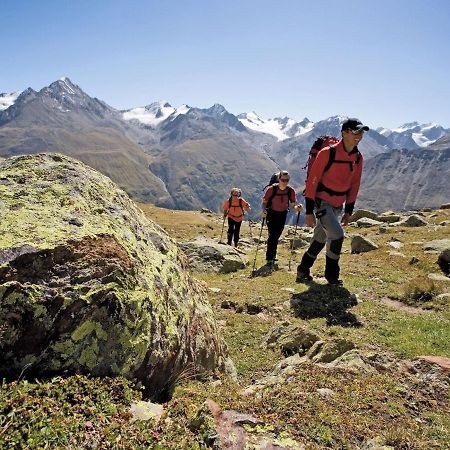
[(328, 228)]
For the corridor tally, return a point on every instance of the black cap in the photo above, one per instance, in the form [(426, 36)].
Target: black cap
[(354, 124)]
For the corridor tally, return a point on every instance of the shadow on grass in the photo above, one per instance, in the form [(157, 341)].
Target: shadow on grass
[(329, 302), (264, 271)]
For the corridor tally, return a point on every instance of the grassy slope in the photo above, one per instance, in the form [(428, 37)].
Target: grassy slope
[(400, 410)]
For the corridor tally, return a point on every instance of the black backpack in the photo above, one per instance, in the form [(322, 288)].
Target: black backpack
[(273, 180)]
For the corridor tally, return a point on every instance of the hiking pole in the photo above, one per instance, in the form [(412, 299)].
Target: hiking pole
[(292, 242), (250, 225), (223, 225), (257, 245)]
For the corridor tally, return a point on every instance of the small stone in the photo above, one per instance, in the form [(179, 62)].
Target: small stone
[(215, 290), (325, 392)]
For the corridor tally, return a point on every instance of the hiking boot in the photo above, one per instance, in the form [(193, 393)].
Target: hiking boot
[(335, 282), (303, 277)]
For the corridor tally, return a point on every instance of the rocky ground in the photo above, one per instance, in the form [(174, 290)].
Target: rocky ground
[(359, 367)]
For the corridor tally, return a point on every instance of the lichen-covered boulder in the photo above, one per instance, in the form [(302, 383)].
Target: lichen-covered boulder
[(88, 284), (208, 256)]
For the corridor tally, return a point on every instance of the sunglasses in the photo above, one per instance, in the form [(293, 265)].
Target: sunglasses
[(356, 131), (284, 179)]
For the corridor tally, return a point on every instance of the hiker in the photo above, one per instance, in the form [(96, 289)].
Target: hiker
[(334, 180), (234, 208), (275, 206)]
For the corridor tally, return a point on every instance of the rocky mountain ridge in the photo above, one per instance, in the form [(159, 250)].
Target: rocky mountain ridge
[(184, 157)]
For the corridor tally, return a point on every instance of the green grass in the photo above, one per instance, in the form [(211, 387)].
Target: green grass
[(390, 407)]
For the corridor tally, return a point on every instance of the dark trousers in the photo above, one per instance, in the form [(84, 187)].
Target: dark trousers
[(234, 229), (275, 226)]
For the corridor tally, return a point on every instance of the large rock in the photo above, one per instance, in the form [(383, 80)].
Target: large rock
[(388, 217), (229, 429), (360, 213), (206, 255), (412, 221), (330, 350), (438, 245), (360, 244), (89, 285), (365, 222), (444, 261)]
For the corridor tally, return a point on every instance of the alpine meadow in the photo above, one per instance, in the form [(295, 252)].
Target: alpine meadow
[(225, 225)]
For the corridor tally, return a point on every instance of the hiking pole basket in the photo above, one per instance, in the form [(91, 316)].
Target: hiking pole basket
[(293, 240), (257, 245)]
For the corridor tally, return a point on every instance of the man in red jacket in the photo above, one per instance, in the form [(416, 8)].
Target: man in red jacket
[(334, 180)]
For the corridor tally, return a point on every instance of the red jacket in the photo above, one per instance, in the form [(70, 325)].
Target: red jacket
[(280, 201), (343, 178)]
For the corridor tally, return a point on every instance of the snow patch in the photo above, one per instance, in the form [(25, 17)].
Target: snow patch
[(152, 115), (281, 128), (421, 140), (7, 100)]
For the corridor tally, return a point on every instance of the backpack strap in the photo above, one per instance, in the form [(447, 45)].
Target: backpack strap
[(240, 205), (274, 192), (331, 158), (321, 187), (272, 195), (229, 202)]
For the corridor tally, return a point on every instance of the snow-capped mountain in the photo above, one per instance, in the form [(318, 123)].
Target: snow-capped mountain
[(412, 135), (155, 113), (188, 157), (281, 128), (7, 100)]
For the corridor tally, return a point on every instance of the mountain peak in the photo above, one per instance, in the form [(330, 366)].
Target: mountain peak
[(217, 109), (63, 86)]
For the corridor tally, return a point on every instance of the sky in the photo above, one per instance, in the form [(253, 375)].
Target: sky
[(386, 62)]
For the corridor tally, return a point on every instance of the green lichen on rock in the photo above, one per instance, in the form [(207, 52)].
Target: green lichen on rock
[(89, 284)]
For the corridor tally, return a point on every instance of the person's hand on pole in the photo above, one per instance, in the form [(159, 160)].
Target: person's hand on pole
[(345, 219), (264, 212), (310, 220), (298, 207)]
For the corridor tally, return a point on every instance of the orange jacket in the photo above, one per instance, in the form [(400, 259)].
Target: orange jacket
[(236, 210), (343, 177)]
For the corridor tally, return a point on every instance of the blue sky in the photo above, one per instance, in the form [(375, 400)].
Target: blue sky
[(386, 62)]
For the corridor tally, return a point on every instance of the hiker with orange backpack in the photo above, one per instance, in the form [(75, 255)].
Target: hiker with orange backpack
[(234, 208), (275, 206), (333, 180)]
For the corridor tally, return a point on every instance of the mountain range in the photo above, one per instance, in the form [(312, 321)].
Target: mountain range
[(189, 158)]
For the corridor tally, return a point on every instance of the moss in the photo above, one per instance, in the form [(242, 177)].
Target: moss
[(89, 355), (65, 349), (40, 311), (86, 328)]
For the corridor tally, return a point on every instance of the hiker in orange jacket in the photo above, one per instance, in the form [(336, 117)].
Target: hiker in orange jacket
[(234, 208), (328, 187)]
